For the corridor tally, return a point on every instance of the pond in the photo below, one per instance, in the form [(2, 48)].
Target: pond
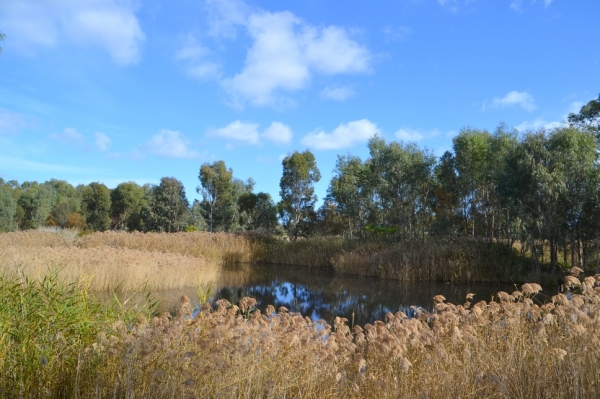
[(320, 294)]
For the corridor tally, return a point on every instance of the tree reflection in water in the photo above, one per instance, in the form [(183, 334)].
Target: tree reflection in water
[(320, 294)]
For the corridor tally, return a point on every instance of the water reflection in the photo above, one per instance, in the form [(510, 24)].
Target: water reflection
[(322, 295)]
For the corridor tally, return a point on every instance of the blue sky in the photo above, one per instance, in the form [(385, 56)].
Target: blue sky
[(119, 90)]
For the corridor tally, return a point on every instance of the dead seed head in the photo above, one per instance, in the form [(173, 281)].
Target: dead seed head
[(530, 288), (572, 281)]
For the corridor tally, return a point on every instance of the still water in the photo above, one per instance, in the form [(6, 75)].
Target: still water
[(320, 294)]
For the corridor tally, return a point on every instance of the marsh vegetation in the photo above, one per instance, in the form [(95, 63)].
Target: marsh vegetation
[(58, 340)]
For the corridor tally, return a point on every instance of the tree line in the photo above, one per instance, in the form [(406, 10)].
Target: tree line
[(228, 203), (540, 188)]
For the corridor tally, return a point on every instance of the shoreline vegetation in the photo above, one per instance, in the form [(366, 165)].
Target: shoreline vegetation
[(174, 260), (57, 340)]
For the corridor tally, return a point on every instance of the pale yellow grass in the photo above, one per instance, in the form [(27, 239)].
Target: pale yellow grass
[(106, 265), (219, 247), (510, 348)]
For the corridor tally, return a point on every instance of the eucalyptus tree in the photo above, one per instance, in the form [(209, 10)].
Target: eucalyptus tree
[(548, 178), (35, 202), (257, 212), (575, 157), (403, 176), (95, 205), (197, 216), (297, 193), (126, 201), (502, 142), (68, 201), (330, 222), (352, 192), (228, 212), (167, 208), (472, 149), (588, 117), (215, 186), (8, 208), (446, 197)]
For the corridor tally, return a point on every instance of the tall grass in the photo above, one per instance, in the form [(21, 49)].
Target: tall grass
[(104, 262), (458, 261), (47, 330), (58, 343), (216, 247), (166, 261)]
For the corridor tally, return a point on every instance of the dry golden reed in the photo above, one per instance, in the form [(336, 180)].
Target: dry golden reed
[(110, 260), (513, 348)]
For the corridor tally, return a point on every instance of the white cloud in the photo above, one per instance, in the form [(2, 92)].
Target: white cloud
[(108, 24), (331, 51), (225, 16), (343, 136), (414, 135), (68, 136), (239, 132), (11, 122), (339, 93), (397, 33), (515, 98), (170, 144), (516, 5), (407, 134), (194, 56), (538, 123), (102, 141), (454, 5), (548, 2), (284, 54), (278, 133)]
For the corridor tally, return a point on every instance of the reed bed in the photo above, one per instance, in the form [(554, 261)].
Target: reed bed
[(512, 347), (104, 262), (458, 261), (218, 247)]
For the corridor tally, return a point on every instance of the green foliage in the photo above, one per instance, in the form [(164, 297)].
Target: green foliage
[(215, 187), (352, 191), (167, 207), (95, 205), (44, 327), (381, 231), (197, 216), (446, 197), (297, 193), (126, 201), (257, 212), (60, 213), (36, 202), (588, 117), (8, 208)]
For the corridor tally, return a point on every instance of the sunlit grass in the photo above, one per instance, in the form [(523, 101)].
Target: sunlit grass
[(56, 342)]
